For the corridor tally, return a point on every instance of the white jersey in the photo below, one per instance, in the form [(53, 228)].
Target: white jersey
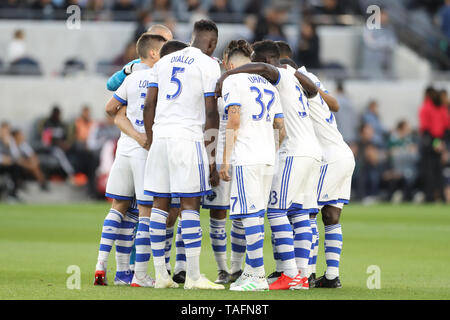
[(333, 145), (300, 138), (132, 92), (259, 103), (184, 78), (222, 131)]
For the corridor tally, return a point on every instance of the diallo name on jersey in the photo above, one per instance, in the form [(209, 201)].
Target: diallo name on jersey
[(182, 59)]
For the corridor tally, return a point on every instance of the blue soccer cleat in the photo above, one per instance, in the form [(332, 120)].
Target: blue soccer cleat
[(123, 278)]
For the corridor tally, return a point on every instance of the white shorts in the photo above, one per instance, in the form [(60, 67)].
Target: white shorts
[(126, 179), (219, 197), (294, 186), (177, 168), (250, 187), (335, 183)]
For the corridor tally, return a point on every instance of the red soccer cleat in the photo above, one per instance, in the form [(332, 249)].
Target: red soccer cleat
[(100, 278), (284, 283), (299, 283)]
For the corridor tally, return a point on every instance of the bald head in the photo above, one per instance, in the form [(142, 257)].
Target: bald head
[(160, 30)]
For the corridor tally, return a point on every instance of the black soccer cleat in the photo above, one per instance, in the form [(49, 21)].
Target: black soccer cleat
[(179, 277), (273, 277), (223, 277), (323, 282), (312, 280), (235, 276)]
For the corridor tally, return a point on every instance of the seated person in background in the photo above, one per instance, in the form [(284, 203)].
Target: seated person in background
[(27, 159), (8, 167)]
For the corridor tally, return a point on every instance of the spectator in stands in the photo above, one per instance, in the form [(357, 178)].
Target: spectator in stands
[(371, 116), (8, 165), (346, 118), (369, 169), (54, 135), (28, 160), (17, 47), (95, 10), (20, 63), (330, 7), (144, 21), (220, 9), (308, 49), (254, 7), (43, 9), (270, 25), (379, 45), (445, 19), (434, 123), (404, 156), (83, 125), (128, 55), (247, 30), (124, 10)]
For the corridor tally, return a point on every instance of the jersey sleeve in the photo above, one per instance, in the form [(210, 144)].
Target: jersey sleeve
[(277, 109), (153, 77), (230, 94), (121, 93), (210, 75)]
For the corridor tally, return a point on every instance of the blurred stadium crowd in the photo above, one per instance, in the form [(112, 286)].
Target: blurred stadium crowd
[(392, 164)]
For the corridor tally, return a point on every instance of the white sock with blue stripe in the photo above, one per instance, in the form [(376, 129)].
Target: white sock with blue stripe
[(218, 237), (283, 242), (143, 248), (191, 232), (180, 260), (302, 241), (238, 244), (158, 221), (110, 229), (124, 242), (314, 246), (168, 247), (333, 248), (254, 237)]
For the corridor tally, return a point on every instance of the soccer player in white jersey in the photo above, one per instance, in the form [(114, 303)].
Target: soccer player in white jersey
[(219, 201), (127, 173), (334, 183), (253, 107), (292, 196), (180, 102)]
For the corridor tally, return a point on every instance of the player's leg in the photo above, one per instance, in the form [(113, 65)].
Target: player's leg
[(314, 250), (111, 225), (238, 247), (218, 235), (179, 273), (333, 247), (124, 246), (170, 225)]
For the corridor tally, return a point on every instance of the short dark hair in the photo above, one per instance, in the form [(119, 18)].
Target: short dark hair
[(285, 49), (148, 41), (238, 47), (171, 46), (290, 62), (205, 25), (266, 48)]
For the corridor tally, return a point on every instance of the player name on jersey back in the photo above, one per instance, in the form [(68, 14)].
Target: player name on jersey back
[(183, 79)]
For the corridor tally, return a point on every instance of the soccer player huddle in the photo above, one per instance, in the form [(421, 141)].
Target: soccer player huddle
[(258, 139)]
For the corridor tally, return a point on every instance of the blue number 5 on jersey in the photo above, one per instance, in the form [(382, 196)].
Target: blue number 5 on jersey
[(177, 81)]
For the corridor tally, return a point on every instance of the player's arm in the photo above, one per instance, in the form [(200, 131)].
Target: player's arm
[(332, 102), (278, 125), (233, 124), (263, 69), (212, 123), (149, 112), (307, 84), (115, 81), (113, 106), (124, 124)]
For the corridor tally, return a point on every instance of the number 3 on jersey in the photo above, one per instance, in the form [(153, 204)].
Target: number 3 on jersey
[(177, 81), (261, 103)]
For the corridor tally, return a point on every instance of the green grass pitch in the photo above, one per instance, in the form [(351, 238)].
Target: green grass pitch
[(409, 243)]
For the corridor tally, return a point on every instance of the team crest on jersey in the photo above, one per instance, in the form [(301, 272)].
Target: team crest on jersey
[(211, 196)]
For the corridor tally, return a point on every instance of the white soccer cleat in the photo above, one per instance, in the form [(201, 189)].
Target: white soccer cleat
[(252, 284), (202, 283), (165, 282), (146, 282), (242, 278)]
